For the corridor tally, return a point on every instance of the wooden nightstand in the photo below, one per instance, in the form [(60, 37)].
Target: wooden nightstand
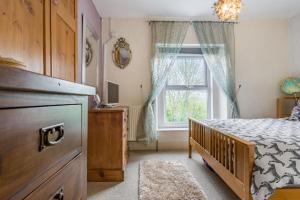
[(285, 106)]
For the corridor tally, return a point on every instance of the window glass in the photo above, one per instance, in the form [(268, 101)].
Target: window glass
[(182, 104), (188, 70)]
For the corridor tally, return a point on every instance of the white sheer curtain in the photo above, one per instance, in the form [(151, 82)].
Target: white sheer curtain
[(167, 39), (218, 47)]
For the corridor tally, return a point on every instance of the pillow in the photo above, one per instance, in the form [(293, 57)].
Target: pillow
[(295, 115)]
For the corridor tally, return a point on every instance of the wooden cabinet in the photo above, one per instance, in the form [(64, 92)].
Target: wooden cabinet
[(107, 144), (41, 34), (63, 39), (43, 136)]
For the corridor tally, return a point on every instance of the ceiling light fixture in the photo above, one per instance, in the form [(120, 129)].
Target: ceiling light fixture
[(228, 10)]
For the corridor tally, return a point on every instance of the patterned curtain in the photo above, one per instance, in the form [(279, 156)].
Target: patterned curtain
[(167, 39), (218, 47)]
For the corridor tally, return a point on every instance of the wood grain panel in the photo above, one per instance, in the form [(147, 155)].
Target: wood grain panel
[(69, 6), (64, 39), (105, 132), (22, 32)]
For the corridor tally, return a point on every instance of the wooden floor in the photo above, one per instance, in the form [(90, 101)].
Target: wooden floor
[(214, 187)]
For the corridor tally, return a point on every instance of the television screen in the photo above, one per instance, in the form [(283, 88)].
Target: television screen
[(113, 93)]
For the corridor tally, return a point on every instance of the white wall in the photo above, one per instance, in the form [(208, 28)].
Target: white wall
[(137, 34), (261, 63), (294, 45)]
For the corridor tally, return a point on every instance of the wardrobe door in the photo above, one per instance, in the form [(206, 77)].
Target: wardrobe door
[(22, 33), (63, 39)]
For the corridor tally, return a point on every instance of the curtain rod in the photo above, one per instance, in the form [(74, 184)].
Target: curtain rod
[(150, 21)]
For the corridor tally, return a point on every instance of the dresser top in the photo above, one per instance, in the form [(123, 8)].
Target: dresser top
[(109, 110), (21, 80)]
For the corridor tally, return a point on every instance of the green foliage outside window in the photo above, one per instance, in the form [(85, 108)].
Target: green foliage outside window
[(180, 105), (182, 98)]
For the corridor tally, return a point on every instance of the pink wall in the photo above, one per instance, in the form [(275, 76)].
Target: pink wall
[(93, 19)]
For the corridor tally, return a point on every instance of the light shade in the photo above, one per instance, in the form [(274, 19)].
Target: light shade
[(228, 10)]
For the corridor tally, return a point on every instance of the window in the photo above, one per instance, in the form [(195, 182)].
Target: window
[(187, 92)]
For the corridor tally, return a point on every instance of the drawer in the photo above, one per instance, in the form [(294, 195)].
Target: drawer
[(21, 159), (66, 184)]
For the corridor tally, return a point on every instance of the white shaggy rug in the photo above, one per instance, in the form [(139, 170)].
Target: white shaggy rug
[(168, 180)]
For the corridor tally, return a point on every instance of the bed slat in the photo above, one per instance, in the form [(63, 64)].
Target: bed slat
[(222, 149)]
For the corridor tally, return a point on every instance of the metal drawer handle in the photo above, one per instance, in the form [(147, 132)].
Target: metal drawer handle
[(59, 195), (51, 135)]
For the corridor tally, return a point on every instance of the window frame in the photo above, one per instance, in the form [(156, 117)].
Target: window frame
[(161, 100)]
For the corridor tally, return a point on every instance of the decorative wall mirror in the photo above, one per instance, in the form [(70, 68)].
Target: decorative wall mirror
[(121, 53), (90, 55)]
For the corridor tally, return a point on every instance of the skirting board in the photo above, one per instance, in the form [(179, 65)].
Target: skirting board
[(167, 140)]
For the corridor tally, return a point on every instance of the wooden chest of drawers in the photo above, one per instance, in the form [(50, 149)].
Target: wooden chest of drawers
[(43, 136), (107, 144)]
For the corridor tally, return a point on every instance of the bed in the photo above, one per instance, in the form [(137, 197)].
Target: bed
[(235, 150)]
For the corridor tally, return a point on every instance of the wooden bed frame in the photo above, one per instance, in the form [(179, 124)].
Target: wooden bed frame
[(231, 158)]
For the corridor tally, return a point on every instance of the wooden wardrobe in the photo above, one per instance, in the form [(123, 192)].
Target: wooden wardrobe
[(41, 34)]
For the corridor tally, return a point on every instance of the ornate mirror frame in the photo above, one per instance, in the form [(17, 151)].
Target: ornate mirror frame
[(121, 44), (89, 53)]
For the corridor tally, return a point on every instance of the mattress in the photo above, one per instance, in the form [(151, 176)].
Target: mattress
[(277, 151)]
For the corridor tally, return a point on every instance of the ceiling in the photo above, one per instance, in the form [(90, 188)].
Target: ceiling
[(194, 9)]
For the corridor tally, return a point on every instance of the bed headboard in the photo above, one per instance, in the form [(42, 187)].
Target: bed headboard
[(285, 106)]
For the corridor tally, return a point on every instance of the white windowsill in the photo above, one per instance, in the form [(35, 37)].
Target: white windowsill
[(172, 129)]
